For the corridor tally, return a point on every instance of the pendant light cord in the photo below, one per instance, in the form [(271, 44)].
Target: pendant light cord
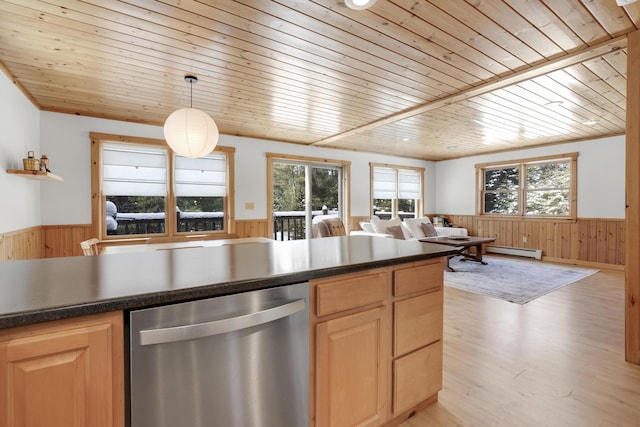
[(191, 79)]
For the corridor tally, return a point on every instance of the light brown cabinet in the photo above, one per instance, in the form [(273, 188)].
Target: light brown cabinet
[(352, 382), (417, 322), (377, 344), (417, 377), (417, 336), (66, 373)]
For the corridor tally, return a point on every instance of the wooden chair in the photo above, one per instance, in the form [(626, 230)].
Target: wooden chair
[(90, 246)]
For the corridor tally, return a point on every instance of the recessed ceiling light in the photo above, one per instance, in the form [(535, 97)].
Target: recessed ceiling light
[(553, 104), (625, 2), (590, 122), (406, 139), (452, 147), (359, 4)]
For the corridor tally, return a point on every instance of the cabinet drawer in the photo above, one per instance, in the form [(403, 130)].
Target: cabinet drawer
[(420, 278), (348, 292), (417, 377), (417, 322)]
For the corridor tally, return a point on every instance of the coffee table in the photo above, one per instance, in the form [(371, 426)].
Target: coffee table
[(466, 242)]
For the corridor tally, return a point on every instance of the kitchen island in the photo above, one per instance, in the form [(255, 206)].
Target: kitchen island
[(40, 293)]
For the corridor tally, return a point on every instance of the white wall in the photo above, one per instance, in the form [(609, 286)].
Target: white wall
[(65, 139), (601, 177), (449, 185), (20, 124)]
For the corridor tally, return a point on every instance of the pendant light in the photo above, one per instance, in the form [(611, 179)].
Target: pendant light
[(359, 4), (191, 132)]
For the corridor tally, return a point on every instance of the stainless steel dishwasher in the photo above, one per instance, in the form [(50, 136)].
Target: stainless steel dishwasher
[(235, 361)]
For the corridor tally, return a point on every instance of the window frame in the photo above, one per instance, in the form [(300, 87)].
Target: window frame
[(98, 219), (522, 164), (394, 202)]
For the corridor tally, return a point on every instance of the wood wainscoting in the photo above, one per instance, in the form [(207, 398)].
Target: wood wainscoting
[(51, 241), (587, 241), (46, 241), (252, 228), (27, 243), (584, 241), (64, 240)]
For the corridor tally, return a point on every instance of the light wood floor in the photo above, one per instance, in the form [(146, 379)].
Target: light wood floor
[(556, 361)]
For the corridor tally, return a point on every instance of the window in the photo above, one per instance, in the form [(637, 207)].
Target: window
[(304, 190), (142, 189), (396, 191), (540, 187)]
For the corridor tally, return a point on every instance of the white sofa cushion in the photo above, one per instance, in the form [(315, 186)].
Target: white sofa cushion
[(413, 224), (367, 226), (407, 225), (380, 225), (366, 233), (452, 231)]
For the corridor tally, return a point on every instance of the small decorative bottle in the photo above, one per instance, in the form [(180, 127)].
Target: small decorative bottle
[(44, 163)]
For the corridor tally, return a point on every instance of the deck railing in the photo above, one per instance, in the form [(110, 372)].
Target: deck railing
[(153, 223), (291, 225), (286, 225)]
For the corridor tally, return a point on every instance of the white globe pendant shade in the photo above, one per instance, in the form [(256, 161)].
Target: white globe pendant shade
[(359, 4), (191, 132)]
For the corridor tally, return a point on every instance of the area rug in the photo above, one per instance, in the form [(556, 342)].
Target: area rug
[(518, 281)]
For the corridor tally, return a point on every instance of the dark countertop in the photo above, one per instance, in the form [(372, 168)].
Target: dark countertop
[(48, 289)]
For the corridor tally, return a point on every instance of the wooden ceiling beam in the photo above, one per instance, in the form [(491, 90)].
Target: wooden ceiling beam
[(559, 63)]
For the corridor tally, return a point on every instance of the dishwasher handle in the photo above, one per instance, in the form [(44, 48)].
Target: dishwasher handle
[(216, 327)]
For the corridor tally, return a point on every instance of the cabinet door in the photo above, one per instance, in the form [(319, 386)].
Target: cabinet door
[(352, 369), (63, 376)]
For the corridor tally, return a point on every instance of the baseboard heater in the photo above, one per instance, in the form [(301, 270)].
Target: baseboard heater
[(529, 253)]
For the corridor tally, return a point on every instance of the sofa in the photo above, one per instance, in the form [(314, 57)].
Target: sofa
[(410, 228)]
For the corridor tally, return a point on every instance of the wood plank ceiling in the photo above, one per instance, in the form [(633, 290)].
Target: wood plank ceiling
[(434, 80)]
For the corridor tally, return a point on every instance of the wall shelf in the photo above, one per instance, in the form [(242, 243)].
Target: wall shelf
[(38, 175)]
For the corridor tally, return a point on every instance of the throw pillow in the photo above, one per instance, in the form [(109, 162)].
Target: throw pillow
[(380, 225), (405, 230), (396, 232), (429, 230), (415, 227), (336, 227)]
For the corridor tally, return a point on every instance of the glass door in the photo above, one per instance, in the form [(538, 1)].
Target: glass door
[(303, 191)]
